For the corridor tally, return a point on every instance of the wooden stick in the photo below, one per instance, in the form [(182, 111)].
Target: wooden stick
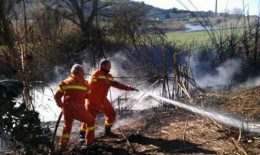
[(185, 129), (239, 146), (185, 91)]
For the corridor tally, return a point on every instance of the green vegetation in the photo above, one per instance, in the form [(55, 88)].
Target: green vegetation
[(187, 37), (198, 36)]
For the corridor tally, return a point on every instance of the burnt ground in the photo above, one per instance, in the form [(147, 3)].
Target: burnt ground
[(171, 130)]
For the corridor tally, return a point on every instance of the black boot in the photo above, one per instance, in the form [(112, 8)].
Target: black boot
[(82, 137), (109, 133)]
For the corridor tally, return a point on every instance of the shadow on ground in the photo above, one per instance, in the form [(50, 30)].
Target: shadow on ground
[(169, 146)]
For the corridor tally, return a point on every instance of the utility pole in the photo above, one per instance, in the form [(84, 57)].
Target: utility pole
[(216, 7)]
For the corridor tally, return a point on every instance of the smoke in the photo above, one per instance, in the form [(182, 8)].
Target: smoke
[(222, 76), (45, 104), (43, 97), (207, 75), (125, 121), (123, 67), (127, 72), (251, 82), (88, 69)]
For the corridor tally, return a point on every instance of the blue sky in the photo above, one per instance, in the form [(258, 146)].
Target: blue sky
[(251, 6)]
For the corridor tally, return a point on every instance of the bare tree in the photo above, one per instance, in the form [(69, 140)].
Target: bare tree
[(237, 11), (131, 28), (7, 36), (84, 14), (16, 51)]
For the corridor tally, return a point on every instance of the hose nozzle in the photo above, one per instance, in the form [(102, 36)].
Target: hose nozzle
[(134, 89)]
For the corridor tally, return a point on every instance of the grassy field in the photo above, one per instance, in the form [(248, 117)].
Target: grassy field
[(198, 36), (187, 37)]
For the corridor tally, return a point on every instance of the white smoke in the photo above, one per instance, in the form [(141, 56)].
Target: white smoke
[(227, 75), (44, 101), (251, 82), (45, 104), (223, 74), (43, 98), (204, 75), (208, 76)]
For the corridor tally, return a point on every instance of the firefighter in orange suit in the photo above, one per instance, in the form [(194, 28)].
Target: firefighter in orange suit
[(74, 90), (100, 83)]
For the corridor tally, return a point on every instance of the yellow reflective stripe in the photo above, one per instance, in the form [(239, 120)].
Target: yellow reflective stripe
[(74, 87), (111, 79), (108, 123), (66, 135), (91, 128), (102, 77), (85, 128), (82, 128), (93, 80)]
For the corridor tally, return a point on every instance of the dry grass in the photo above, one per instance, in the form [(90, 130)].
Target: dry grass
[(167, 130), (245, 102), (193, 134)]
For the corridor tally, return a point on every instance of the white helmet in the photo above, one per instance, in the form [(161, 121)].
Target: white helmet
[(76, 68)]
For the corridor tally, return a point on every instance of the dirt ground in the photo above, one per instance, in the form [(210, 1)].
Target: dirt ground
[(171, 130)]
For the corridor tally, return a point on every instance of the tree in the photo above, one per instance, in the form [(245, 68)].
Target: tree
[(173, 10), (84, 14), (7, 37), (237, 11), (131, 28)]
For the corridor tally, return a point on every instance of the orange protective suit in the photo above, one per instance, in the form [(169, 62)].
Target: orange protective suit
[(74, 91), (100, 83)]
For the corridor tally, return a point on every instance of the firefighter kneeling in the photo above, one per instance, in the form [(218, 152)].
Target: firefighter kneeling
[(74, 91)]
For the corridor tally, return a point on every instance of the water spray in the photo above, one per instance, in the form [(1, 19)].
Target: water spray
[(227, 120)]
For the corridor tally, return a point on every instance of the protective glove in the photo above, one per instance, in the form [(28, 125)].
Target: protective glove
[(59, 104), (131, 88), (134, 89)]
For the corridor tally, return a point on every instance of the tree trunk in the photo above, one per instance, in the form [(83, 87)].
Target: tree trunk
[(6, 34)]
